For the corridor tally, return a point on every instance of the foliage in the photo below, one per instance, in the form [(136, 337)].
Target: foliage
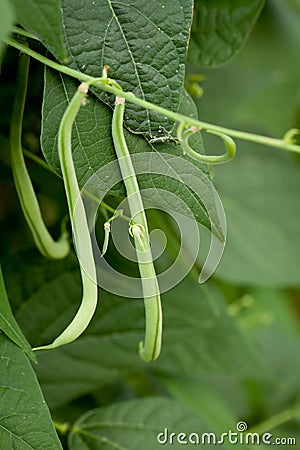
[(230, 346)]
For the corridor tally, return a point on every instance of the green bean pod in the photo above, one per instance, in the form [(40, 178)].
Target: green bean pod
[(47, 246), (79, 226), (149, 349)]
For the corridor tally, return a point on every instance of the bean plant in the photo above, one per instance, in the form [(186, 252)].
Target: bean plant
[(150, 218)]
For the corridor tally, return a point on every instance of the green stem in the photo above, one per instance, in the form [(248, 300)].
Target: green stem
[(79, 226), (276, 420), (150, 349), (46, 166), (109, 85), (23, 32), (43, 240), (183, 137), (38, 161), (62, 428)]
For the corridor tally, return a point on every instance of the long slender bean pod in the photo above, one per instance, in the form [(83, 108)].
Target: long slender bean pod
[(149, 349), (79, 226), (47, 246)]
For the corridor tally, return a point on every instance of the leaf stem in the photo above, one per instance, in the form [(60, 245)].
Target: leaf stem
[(277, 420), (62, 427), (46, 166), (38, 161), (25, 33), (149, 349), (109, 85), (47, 246)]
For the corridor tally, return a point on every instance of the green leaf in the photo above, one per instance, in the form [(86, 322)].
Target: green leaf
[(7, 18), (143, 42), (135, 425), (261, 200), (259, 187), (220, 29), (271, 322), (8, 323), (266, 66), (92, 146), (196, 332), (25, 422), (44, 19), (203, 399)]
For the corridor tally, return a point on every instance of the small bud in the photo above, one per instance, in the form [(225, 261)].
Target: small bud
[(83, 87), (194, 129), (119, 101), (107, 226)]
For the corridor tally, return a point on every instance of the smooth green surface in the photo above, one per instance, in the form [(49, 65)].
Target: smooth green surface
[(144, 43), (7, 18), (220, 29), (25, 422), (150, 348), (43, 18), (48, 247), (80, 227)]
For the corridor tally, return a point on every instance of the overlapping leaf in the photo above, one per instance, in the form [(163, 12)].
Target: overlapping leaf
[(25, 422), (260, 187), (220, 28), (195, 332), (92, 144), (143, 42), (44, 19), (137, 424), (8, 323)]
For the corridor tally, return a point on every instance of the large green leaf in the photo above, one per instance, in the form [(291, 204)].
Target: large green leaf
[(265, 81), (196, 332), (8, 323), (143, 42), (25, 422), (7, 18), (271, 322), (93, 147), (259, 188), (197, 394), (135, 425), (262, 204), (44, 19), (220, 28)]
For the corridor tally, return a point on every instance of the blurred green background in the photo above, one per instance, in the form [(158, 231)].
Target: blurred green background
[(231, 347)]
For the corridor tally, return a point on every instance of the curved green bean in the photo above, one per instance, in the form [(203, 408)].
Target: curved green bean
[(149, 349), (79, 226), (47, 246)]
